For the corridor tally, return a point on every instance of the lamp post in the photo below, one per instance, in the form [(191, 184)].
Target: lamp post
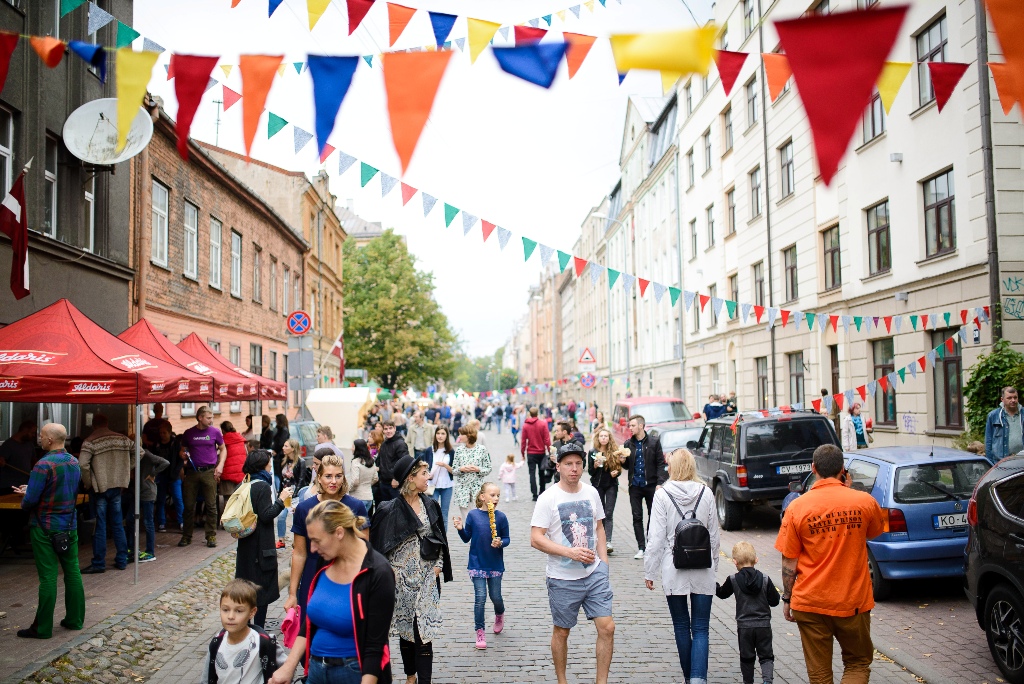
[(625, 263)]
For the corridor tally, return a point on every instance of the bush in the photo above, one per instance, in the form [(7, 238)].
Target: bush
[(989, 376)]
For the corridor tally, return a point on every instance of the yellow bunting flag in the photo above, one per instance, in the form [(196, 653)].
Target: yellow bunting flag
[(561, 15), (668, 81), (683, 52), (316, 9), (480, 34), (890, 80), (280, 70), (226, 68), (589, 4), (133, 70)]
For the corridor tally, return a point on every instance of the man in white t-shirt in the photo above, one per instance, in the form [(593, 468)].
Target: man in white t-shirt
[(566, 525)]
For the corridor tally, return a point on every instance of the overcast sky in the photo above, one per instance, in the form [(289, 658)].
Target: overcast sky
[(531, 160)]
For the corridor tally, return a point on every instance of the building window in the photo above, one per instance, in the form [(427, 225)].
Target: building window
[(688, 95), (734, 295), (689, 166), (705, 85), (256, 359), (833, 266), (755, 193), (235, 356), (713, 293), (273, 284), (727, 129), (158, 239), (236, 264), (49, 189), (931, 47), (272, 365), (6, 150), (789, 263), (730, 204), (752, 110), (285, 289), (698, 390), (823, 7), (759, 284), (724, 43), (89, 212), (693, 238), (215, 247), (939, 218), (948, 374), (749, 22), (787, 175), (884, 355), (874, 118), (707, 150), (716, 378), (188, 408), (695, 322), (761, 371), (879, 257), (297, 287), (710, 212), (257, 293), (191, 265), (796, 378)]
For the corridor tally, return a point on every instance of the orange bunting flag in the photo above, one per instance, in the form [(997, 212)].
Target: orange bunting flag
[(257, 77), (577, 51), (777, 73), (729, 65), (50, 50), (357, 9), (399, 17), (1003, 77), (230, 97), (945, 76), (234, 3), (193, 73), (411, 80), (1007, 17), (836, 60)]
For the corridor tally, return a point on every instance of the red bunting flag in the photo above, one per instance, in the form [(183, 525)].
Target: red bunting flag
[(8, 41), (328, 148), (14, 224), (398, 18), (729, 65), (883, 382), (988, 314), (257, 76), (579, 48), (838, 398), (579, 265), (834, 320), (888, 323), (704, 299), (487, 228), (817, 405), (945, 76), (411, 80), (785, 316), (924, 321), (357, 9), (230, 97), (923, 362), (49, 49), (836, 60), (963, 316), (525, 35), (777, 73), (1008, 21), (407, 193), (170, 68), (643, 286), (758, 312), (863, 392), (192, 74), (951, 345)]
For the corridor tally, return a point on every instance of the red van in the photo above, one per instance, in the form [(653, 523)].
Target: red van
[(660, 413)]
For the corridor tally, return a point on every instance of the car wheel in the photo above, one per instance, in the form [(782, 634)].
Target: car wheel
[(1004, 627), (730, 513), (881, 588)]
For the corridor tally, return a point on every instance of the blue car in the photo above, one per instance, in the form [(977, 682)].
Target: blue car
[(924, 492)]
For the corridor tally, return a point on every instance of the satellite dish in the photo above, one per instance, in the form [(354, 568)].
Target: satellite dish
[(90, 133)]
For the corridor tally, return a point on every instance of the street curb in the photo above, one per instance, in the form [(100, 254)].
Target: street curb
[(24, 673), (913, 665)]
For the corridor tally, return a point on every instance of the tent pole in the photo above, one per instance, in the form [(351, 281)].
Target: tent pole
[(138, 484)]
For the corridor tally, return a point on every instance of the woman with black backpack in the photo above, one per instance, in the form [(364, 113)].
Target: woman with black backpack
[(682, 548)]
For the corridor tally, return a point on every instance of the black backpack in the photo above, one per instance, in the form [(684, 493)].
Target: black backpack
[(691, 549)]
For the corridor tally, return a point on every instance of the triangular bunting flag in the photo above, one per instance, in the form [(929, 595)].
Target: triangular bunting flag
[(962, 333), (902, 372), (398, 19), (547, 19), (50, 50), (834, 320), (674, 292), (857, 321), (132, 72), (480, 34), (332, 76), (659, 291), (411, 80), (704, 299), (758, 312), (450, 213), (1008, 21), (684, 52), (913, 369), (872, 388), (730, 307), (126, 35), (357, 10), (191, 75), (575, 9), (366, 172), (563, 260), (561, 15), (468, 221), (946, 316), (1003, 77), (897, 321), (98, 18), (773, 313), (744, 311), (596, 270), (862, 391), (152, 46), (460, 44), (525, 35), (272, 7), (428, 203), (883, 382), (846, 324), (274, 124), (777, 73), (627, 281), (504, 32), (951, 345), (226, 68), (300, 137), (688, 297), (230, 97), (96, 56), (783, 312), (369, 60), (913, 321), (930, 357), (387, 184), (613, 275), (822, 322), (345, 162), (810, 321), (580, 264), (528, 247), (534, 22), (442, 24), (579, 48), (890, 80), (407, 193), (537, 63), (729, 65), (486, 227), (836, 60), (66, 7), (257, 77), (945, 76), (923, 362), (315, 9)]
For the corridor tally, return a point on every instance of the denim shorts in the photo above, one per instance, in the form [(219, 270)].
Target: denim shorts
[(593, 593)]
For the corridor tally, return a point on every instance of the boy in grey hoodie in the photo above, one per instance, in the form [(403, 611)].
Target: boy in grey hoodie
[(755, 595)]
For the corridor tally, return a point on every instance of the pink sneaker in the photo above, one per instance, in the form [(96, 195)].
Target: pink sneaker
[(499, 623), (481, 642)]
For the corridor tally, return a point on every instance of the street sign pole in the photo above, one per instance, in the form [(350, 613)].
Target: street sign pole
[(300, 356)]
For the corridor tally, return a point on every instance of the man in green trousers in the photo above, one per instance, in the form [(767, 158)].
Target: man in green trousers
[(50, 497)]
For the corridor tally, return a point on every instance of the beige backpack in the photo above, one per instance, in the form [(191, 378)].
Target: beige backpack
[(238, 518)]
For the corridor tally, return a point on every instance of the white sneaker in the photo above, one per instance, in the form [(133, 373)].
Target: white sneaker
[(609, 548), (639, 555)]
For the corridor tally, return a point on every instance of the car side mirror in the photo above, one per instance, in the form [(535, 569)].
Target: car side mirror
[(696, 416), (796, 487), (691, 445)]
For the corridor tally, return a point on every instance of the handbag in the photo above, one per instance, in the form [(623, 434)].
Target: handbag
[(430, 543), (61, 542)]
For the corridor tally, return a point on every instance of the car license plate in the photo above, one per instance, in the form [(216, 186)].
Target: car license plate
[(791, 469), (945, 522)]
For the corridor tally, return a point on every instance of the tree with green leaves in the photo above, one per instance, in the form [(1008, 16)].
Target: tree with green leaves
[(393, 327), (983, 391)]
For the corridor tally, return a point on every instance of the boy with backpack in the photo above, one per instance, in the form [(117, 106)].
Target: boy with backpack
[(755, 596), (241, 653)]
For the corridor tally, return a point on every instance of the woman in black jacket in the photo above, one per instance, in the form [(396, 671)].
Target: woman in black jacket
[(604, 463), (281, 435), (256, 559), (364, 609)]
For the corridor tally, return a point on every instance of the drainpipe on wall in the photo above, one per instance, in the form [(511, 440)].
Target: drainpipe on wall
[(679, 256), (985, 104), (143, 191), (767, 195)]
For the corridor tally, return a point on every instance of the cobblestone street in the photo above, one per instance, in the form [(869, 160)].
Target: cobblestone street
[(164, 640)]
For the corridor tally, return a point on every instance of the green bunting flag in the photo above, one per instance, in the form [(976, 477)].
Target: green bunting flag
[(450, 213), (674, 293), (613, 275), (729, 306), (940, 351), (913, 321), (810, 321), (857, 320), (274, 124), (125, 35), (563, 260), (68, 6), (528, 247), (946, 317), (366, 172), (903, 374)]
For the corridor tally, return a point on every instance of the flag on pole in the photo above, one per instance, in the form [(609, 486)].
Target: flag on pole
[(338, 349), (15, 226)]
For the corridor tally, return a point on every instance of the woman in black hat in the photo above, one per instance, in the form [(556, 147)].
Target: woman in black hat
[(410, 532)]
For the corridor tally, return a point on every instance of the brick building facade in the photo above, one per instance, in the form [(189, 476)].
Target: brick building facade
[(208, 242)]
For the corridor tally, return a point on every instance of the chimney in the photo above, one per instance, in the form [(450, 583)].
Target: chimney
[(350, 204)]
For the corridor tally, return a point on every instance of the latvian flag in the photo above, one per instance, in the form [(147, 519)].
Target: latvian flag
[(14, 224)]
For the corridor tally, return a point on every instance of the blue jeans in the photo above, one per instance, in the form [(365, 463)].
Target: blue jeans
[(348, 673), (481, 585), (444, 497), (692, 633), (497, 419), (109, 519), (146, 511), (163, 487), (282, 524)]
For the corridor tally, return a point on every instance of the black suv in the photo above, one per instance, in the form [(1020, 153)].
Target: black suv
[(994, 566), (756, 463)]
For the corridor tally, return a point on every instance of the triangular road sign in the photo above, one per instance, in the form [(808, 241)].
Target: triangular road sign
[(587, 356)]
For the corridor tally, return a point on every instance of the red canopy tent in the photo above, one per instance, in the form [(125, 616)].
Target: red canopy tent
[(58, 354), (228, 385), (256, 386)]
